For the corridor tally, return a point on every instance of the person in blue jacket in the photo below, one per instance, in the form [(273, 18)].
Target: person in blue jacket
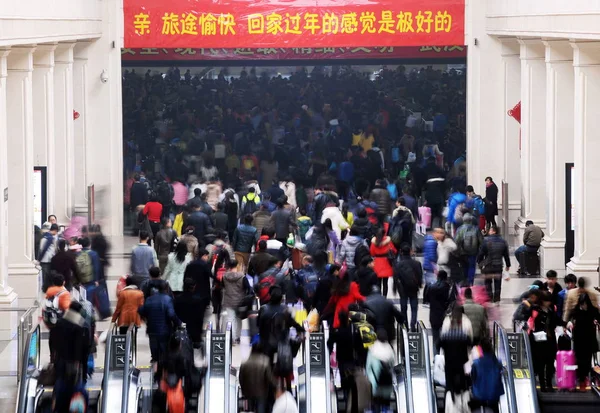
[(346, 177), (455, 217), (159, 313), (430, 256), (486, 376)]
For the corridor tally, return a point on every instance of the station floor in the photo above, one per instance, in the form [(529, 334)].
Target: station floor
[(121, 247)]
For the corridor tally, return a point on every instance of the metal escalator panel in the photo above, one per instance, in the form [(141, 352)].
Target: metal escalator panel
[(218, 375), (420, 363), (319, 372), (507, 350), (521, 368), (27, 391), (403, 387), (303, 394)]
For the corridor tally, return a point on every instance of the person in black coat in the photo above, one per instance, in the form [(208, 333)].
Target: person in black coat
[(408, 279), (438, 295), (73, 339), (200, 271), (491, 202), (381, 313), (64, 263), (201, 223), (190, 310), (326, 276), (365, 276), (138, 193), (220, 219)]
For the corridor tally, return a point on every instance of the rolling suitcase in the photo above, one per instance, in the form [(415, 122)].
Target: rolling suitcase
[(566, 369), (425, 216), (532, 263)]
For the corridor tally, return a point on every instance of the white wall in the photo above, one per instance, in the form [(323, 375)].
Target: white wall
[(44, 21), (577, 19)]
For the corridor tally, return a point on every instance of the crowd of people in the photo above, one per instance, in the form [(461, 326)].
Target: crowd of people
[(253, 195)]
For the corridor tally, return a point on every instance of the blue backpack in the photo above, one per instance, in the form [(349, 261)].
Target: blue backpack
[(478, 205), (309, 280), (395, 155), (393, 190)]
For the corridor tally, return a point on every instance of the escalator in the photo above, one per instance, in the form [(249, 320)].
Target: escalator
[(117, 387), (402, 394), (219, 393), (508, 401), (538, 402), (427, 398)]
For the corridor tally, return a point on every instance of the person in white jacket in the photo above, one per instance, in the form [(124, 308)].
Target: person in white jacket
[(446, 246), (338, 222), (289, 189), (176, 264), (379, 369)]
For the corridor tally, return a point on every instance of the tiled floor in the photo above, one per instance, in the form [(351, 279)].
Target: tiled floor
[(121, 248)]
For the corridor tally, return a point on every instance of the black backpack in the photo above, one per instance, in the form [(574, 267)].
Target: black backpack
[(250, 206), (385, 375)]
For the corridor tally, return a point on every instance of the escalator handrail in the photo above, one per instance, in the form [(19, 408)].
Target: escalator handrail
[(127, 370), (207, 353), (534, 398), (408, 379), (23, 383), (227, 365), (327, 369), (500, 335), (307, 366), (428, 364), (107, 358)]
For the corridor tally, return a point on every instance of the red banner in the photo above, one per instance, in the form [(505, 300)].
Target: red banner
[(292, 23), (364, 53)]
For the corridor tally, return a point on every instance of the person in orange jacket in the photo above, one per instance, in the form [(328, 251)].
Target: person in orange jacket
[(130, 299), (58, 300)]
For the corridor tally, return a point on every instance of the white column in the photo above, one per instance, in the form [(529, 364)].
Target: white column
[(485, 144), (533, 133), (63, 111), (586, 146), (512, 129), (105, 127), (80, 104), (8, 298), (559, 150), (23, 275), (43, 122)]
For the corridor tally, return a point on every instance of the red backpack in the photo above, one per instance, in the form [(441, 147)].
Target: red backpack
[(264, 286)]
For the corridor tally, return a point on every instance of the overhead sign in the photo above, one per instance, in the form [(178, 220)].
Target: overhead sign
[(297, 53), (293, 23)]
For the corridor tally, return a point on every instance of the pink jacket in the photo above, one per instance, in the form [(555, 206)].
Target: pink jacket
[(180, 193)]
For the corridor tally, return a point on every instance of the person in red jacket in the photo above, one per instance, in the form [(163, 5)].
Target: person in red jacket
[(381, 250), (344, 293), (153, 210)]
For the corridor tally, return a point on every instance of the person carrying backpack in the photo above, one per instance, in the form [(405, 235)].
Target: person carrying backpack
[(58, 300), (468, 240), (88, 265), (274, 323), (380, 364), (265, 281), (307, 280), (486, 376), (250, 203)]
